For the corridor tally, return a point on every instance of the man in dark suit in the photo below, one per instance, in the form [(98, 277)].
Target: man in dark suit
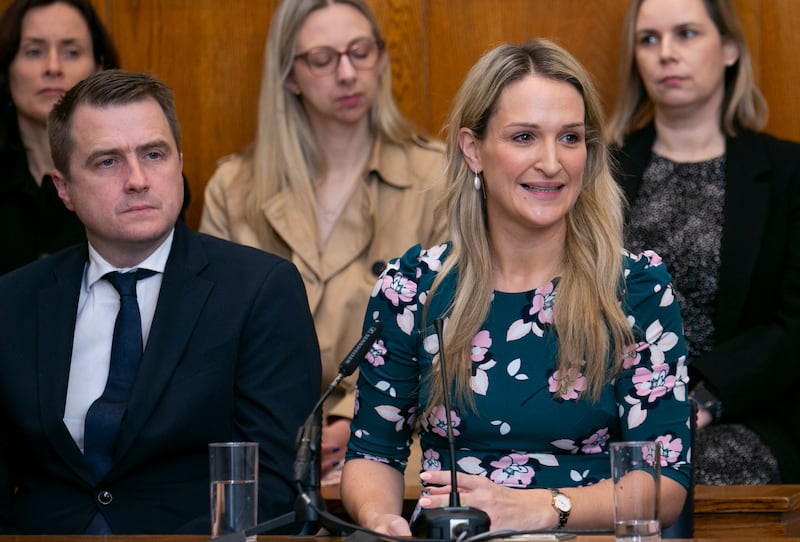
[(230, 352)]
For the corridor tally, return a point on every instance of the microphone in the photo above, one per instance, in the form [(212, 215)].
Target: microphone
[(309, 506), (308, 436), (451, 522)]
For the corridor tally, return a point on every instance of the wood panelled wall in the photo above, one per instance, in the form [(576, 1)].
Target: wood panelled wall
[(210, 53)]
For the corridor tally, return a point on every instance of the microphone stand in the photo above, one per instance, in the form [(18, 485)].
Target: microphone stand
[(448, 523), (309, 507)]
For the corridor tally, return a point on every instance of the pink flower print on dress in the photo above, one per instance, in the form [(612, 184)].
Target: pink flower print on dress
[(554, 385), (438, 424), (595, 443), (376, 353), (398, 289), (647, 455), (481, 362), (542, 303), (480, 346), (391, 269), (430, 460), (433, 257), (653, 383), (540, 311), (631, 356), (671, 449), (652, 257), (659, 341), (512, 471)]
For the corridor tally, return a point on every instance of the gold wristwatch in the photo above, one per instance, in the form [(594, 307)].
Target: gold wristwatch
[(562, 505)]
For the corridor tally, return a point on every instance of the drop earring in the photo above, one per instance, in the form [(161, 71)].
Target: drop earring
[(476, 182)]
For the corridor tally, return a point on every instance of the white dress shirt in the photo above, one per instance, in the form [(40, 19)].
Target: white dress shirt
[(98, 305)]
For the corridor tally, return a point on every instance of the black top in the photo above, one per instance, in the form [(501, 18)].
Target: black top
[(678, 213), (33, 220)]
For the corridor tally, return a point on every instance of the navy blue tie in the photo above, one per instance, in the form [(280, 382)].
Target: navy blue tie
[(105, 415)]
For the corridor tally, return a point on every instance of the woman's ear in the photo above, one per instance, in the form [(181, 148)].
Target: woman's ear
[(383, 60), (730, 52), (291, 85), (470, 149)]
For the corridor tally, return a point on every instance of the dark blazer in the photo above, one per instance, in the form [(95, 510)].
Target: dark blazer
[(232, 355), (754, 366)]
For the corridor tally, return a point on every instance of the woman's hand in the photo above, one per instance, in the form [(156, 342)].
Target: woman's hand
[(507, 508), (334, 443)]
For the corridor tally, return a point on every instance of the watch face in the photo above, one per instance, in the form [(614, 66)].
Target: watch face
[(563, 502)]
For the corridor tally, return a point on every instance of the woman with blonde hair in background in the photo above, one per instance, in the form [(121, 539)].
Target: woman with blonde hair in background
[(720, 201), (556, 340), (336, 179)]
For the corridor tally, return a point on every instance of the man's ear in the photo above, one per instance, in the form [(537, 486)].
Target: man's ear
[(469, 145), (60, 183)]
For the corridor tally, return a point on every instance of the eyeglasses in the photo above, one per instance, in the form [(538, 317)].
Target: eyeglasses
[(363, 54)]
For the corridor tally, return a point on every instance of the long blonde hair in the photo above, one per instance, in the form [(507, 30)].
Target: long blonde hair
[(590, 324), (743, 106), (285, 155)]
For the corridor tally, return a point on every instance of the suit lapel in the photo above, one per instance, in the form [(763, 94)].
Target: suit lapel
[(57, 306), (745, 215), (181, 299), (295, 229)]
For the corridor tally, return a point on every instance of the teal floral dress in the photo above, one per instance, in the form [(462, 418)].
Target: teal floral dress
[(524, 431)]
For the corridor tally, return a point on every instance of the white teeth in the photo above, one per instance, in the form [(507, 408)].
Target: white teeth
[(542, 189)]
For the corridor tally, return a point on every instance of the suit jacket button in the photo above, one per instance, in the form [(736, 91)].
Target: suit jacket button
[(105, 497)]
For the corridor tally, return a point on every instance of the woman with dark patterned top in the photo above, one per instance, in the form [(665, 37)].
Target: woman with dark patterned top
[(720, 201)]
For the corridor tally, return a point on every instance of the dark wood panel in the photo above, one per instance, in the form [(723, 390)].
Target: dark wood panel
[(459, 31), (210, 53), (780, 68), (401, 22)]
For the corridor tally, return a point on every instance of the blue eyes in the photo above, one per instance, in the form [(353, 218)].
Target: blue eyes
[(681, 33), (151, 156), (526, 137)]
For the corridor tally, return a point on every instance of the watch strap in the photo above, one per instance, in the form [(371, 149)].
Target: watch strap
[(563, 515)]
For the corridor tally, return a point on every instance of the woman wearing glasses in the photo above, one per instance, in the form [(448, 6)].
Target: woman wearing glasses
[(336, 180)]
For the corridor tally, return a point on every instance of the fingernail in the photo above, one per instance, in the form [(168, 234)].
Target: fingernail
[(423, 502), (335, 448), (424, 476), (335, 463)]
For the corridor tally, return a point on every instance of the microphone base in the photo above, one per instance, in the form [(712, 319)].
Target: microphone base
[(450, 522)]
